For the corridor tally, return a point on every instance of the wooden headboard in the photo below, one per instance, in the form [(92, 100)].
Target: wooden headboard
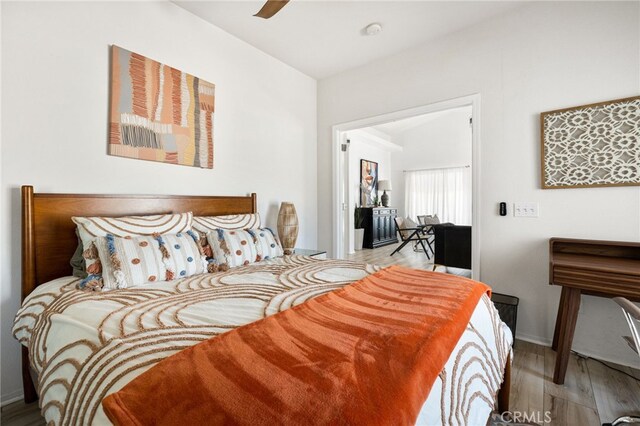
[(48, 234)]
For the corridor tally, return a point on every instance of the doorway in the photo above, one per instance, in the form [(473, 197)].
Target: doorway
[(375, 133)]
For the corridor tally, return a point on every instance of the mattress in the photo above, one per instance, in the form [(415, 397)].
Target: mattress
[(86, 345)]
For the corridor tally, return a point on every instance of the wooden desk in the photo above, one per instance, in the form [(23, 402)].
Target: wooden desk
[(596, 268)]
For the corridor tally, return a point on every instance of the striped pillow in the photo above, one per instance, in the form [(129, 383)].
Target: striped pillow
[(132, 261), (233, 248), (204, 224), (267, 243), (90, 228)]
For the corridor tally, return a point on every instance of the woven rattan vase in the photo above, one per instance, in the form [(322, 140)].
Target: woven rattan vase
[(288, 227)]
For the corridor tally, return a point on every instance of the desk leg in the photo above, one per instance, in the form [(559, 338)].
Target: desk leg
[(571, 303), (559, 320)]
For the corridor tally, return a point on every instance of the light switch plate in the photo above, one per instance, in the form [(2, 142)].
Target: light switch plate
[(525, 209)]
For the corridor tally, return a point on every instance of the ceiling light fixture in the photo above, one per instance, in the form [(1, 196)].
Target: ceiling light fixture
[(373, 29)]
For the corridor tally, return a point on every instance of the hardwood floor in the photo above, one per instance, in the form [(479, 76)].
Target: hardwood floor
[(592, 393), (406, 257), (21, 414), (382, 256)]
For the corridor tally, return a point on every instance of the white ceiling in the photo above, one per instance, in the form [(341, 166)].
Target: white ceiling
[(395, 129), (323, 38)]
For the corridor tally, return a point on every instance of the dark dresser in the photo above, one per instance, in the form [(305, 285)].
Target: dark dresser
[(379, 226)]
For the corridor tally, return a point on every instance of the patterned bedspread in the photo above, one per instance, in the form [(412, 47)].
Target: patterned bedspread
[(86, 345)]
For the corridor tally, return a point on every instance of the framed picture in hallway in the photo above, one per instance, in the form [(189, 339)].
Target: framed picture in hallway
[(368, 182)]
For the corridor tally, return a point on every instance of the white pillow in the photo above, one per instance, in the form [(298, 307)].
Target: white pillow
[(204, 224), (267, 243), (90, 228), (409, 223), (406, 223), (432, 220), (232, 248), (132, 261)]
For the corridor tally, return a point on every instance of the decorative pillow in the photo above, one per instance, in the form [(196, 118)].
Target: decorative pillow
[(405, 224), (267, 243), (77, 260), (131, 261), (204, 224), (431, 220), (409, 223), (90, 228), (233, 248)]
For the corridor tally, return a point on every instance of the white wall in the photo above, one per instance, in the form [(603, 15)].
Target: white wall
[(443, 141), (363, 147), (540, 57), (55, 84)]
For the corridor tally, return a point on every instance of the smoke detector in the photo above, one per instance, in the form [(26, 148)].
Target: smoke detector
[(373, 29)]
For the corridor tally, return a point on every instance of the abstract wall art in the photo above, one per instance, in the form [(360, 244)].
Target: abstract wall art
[(591, 145), (159, 113), (368, 182)]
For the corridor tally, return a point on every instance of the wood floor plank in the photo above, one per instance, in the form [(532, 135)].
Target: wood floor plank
[(566, 413), (382, 256), (407, 257), (21, 414), (615, 394), (527, 379), (577, 385)]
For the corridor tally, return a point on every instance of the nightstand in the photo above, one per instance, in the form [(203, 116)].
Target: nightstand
[(318, 254)]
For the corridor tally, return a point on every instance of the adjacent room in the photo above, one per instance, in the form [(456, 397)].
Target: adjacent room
[(315, 212), (407, 180)]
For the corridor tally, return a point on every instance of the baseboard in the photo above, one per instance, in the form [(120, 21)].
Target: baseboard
[(11, 397), (609, 359), (547, 342), (534, 339)]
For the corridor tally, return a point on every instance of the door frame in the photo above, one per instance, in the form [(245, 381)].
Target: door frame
[(341, 213)]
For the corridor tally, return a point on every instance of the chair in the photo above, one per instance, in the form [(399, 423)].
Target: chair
[(632, 315), (411, 234), (427, 221)]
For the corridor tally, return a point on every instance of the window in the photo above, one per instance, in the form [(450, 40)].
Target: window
[(445, 192)]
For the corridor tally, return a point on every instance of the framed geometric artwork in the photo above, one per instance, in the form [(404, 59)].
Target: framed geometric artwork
[(159, 113), (591, 145), (368, 182)]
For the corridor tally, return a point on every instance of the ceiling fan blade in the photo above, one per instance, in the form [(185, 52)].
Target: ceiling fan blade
[(270, 8)]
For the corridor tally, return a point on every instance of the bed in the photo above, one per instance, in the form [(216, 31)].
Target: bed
[(81, 346)]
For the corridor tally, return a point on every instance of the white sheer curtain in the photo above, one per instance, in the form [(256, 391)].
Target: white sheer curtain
[(445, 192)]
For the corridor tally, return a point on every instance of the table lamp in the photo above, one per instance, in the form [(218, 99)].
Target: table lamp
[(384, 185)]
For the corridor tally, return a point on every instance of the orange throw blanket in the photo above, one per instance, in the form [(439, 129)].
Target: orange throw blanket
[(364, 354)]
